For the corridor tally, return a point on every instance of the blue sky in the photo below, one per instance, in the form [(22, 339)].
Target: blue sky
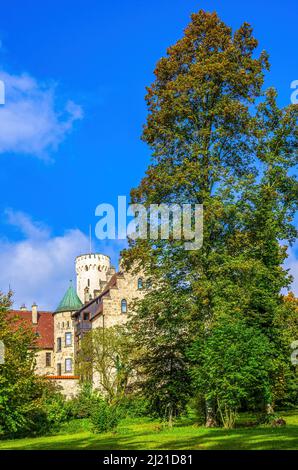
[(76, 73)]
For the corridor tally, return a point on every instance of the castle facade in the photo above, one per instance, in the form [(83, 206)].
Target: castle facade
[(102, 298)]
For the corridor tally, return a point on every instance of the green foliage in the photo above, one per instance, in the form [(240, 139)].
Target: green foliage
[(74, 425), (198, 405), (159, 335), (80, 407), (104, 417), (49, 412), (20, 389), (219, 140), (133, 406), (37, 423), (108, 351), (232, 366), (38, 409), (55, 406)]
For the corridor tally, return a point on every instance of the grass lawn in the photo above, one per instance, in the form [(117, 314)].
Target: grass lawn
[(142, 433)]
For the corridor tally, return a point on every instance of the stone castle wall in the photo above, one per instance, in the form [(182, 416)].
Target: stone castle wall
[(68, 386), (93, 271), (126, 288), (41, 367), (63, 323)]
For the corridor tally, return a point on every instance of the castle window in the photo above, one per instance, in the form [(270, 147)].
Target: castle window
[(59, 344), (123, 306), (140, 283), (68, 365), (86, 316), (86, 268), (59, 371), (48, 359), (88, 282), (68, 339)]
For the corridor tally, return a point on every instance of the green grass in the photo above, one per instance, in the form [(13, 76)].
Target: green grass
[(141, 433)]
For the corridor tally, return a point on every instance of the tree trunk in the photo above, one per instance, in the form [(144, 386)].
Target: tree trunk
[(170, 422), (269, 409), (210, 416)]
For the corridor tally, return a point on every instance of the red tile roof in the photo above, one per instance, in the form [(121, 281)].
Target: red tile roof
[(44, 328), (63, 377)]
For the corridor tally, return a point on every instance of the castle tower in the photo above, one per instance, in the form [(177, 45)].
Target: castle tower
[(64, 333), (92, 273)]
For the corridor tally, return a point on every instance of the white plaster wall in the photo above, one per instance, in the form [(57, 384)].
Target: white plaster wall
[(92, 267)]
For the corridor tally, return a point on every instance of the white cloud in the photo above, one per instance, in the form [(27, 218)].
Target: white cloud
[(30, 121), (30, 229), (39, 267)]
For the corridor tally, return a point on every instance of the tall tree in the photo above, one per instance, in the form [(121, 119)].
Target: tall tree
[(232, 367), (20, 388), (105, 355), (213, 144), (160, 338)]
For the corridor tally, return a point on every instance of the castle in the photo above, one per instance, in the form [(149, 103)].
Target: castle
[(102, 298)]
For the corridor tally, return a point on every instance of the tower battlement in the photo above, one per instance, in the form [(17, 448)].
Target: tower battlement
[(91, 270)]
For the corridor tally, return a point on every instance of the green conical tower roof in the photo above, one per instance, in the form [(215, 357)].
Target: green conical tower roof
[(70, 301)]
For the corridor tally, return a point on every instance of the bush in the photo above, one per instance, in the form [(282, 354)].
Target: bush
[(271, 419), (47, 415), (133, 407), (42, 416), (56, 409), (80, 406), (37, 423), (104, 417)]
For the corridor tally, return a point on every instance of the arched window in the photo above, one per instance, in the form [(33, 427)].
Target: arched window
[(86, 268), (140, 283), (88, 282), (123, 306)]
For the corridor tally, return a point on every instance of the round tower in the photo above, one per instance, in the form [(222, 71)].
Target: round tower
[(91, 272), (64, 333)]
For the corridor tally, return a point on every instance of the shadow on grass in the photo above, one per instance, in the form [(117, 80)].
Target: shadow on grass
[(146, 434), (239, 439)]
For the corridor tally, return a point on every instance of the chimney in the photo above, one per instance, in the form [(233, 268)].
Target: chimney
[(23, 308), (34, 314)]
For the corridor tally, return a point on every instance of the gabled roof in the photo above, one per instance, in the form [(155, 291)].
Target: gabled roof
[(44, 329), (70, 301), (95, 305)]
